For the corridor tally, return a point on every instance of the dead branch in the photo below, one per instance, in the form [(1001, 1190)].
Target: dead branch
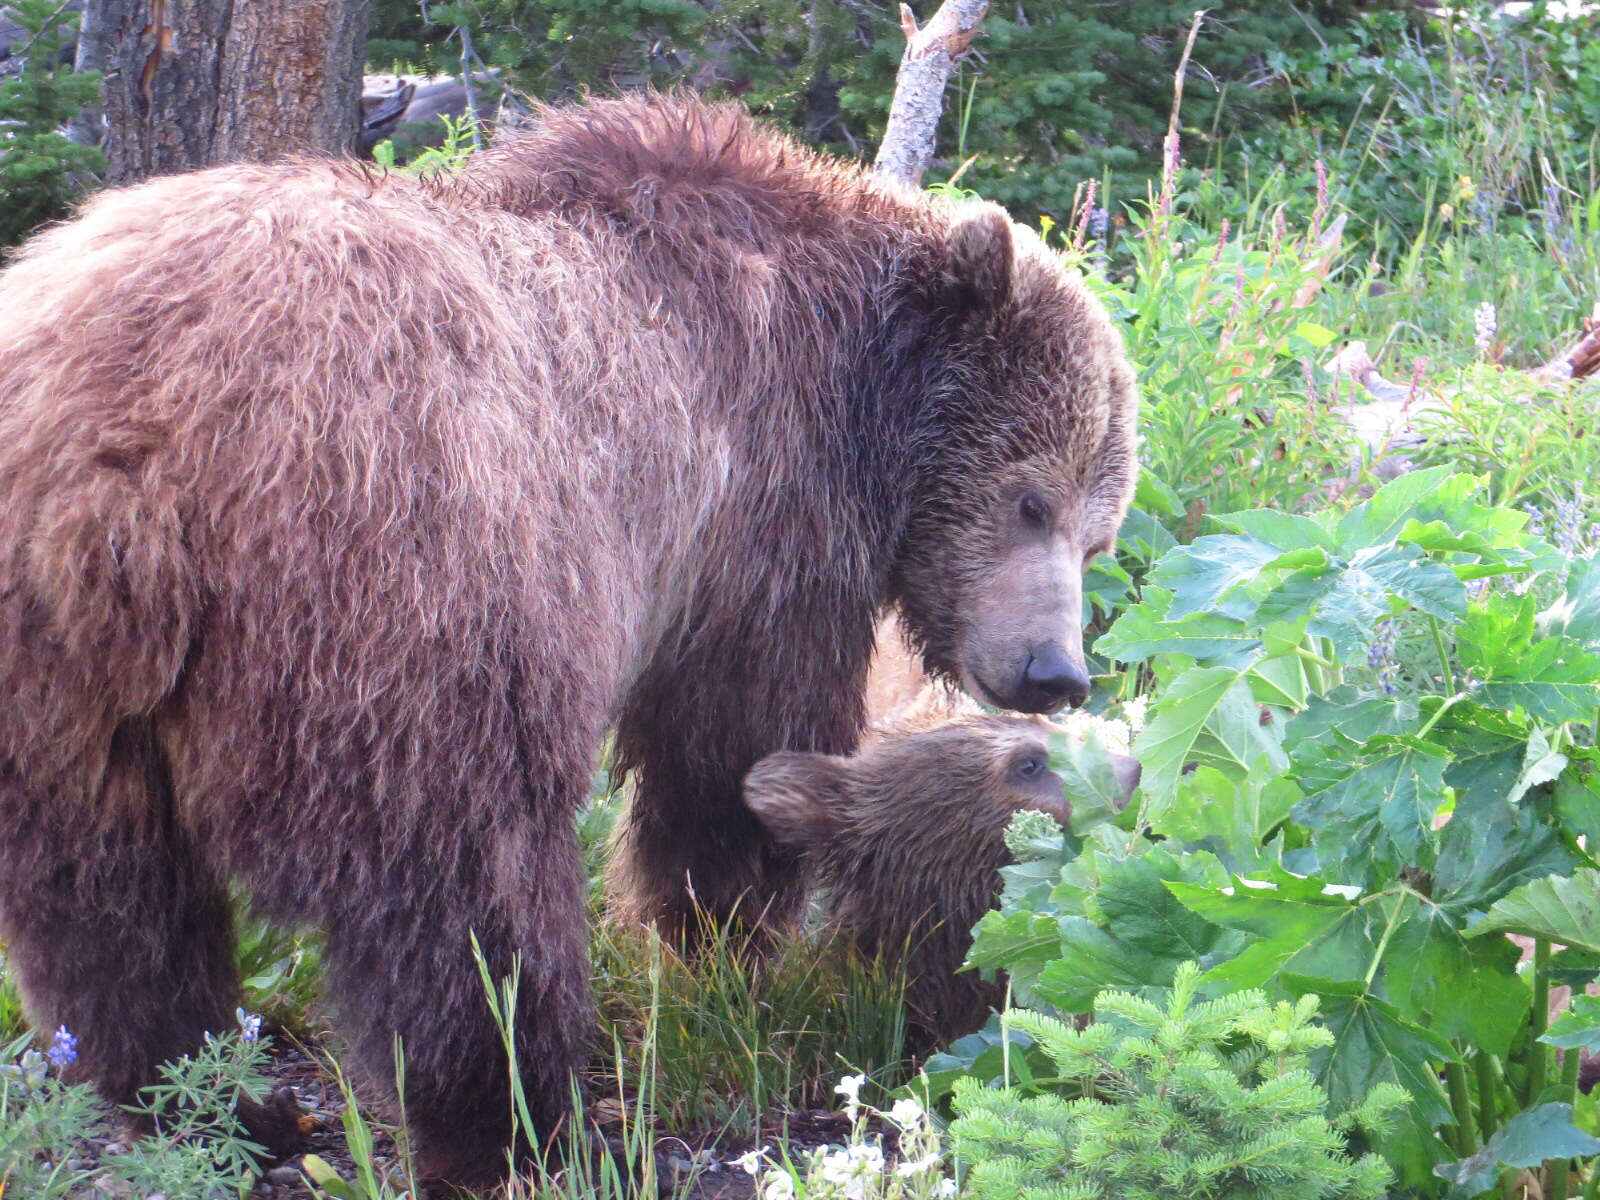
[(931, 54), (1579, 360)]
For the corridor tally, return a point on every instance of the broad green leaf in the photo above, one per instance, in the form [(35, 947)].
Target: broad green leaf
[(1089, 779), (1552, 678), (1134, 903), (1540, 766), (1280, 681), (1577, 800), (1285, 530), (1487, 753), (1143, 632), (1579, 1027), (1231, 816), (1490, 847), (1577, 613), (1106, 588), (1237, 734), (1558, 910), (1092, 960), (1207, 569), (1134, 933), (1373, 1044), (1428, 586), (1349, 718), (1310, 931), (984, 1056), (1397, 502), (1174, 722), (1528, 1139), (1349, 611), (1143, 536), (1375, 813), (1457, 988), (1153, 495), (1019, 943)]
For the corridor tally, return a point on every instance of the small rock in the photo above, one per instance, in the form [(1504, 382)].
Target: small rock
[(283, 1176)]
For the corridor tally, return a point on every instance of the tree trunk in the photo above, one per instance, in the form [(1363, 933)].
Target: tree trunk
[(192, 83), (930, 55)]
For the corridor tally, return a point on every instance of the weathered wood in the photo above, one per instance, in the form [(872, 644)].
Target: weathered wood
[(207, 81), (931, 54)]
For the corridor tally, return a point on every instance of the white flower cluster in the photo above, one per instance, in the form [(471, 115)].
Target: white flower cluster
[(1485, 324), (1116, 734), (860, 1170)]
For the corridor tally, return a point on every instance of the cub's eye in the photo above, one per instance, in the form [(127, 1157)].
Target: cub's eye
[(1034, 511), (1029, 767)]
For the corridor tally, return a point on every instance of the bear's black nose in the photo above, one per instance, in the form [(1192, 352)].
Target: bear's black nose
[(1051, 679)]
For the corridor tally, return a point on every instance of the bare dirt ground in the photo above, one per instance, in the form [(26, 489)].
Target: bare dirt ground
[(702, 1164)]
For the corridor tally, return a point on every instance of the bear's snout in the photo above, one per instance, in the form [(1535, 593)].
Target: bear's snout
[(1050, 679)]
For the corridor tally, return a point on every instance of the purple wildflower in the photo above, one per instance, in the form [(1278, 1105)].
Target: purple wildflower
[(249, 1026), (1569, 522), (1535, 520), (63, 1049), (1380, 656)]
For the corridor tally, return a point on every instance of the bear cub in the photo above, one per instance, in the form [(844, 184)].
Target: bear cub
[(906, 840)]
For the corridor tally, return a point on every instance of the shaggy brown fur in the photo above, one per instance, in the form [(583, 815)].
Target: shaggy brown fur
[(340, 516), (906, 841)]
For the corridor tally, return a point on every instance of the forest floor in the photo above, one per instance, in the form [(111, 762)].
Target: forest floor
[(699, 1166)]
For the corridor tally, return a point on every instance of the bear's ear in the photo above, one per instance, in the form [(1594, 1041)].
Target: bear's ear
[(981, 253), (800, 798)]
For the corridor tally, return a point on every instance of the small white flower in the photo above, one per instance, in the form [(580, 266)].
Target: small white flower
[(867, 1157), (916, 1166), (779, 1186), (946, 1189), (752, 1162), (1485, 324), (907, 1114), (850, 1088), (1133, 712)]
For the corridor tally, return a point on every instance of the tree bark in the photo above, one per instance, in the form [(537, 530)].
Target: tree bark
[(931, 54), (192, 83)]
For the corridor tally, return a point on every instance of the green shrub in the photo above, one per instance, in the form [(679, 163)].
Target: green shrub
[(41, 171), (1194, 1098)]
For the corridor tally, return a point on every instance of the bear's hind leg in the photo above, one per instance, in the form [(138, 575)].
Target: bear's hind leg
[(404, 966), (115, 928)]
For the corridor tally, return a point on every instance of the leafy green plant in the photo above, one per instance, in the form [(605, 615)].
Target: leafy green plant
[(1193, 1098), (1222, 327), (449, 155), (1309, 826), (196, 1145)]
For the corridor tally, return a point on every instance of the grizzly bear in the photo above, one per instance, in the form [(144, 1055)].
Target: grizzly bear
[(905, 841), (341, 515)]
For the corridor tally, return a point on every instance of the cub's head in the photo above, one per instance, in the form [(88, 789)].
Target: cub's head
[(1033, 470), (932, 802)]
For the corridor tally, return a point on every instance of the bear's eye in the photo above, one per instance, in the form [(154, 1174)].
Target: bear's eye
[(1029, 766), (1034, 511)]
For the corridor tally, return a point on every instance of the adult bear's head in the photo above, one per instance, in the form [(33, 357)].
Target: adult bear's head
[(1035, 419)]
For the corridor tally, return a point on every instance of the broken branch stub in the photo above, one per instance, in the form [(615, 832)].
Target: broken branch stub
[(931, 54)]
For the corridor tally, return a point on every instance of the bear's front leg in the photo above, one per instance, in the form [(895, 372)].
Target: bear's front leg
[(688, 854)]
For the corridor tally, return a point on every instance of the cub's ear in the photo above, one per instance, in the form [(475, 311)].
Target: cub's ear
[(980, 258), (800, 798)]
